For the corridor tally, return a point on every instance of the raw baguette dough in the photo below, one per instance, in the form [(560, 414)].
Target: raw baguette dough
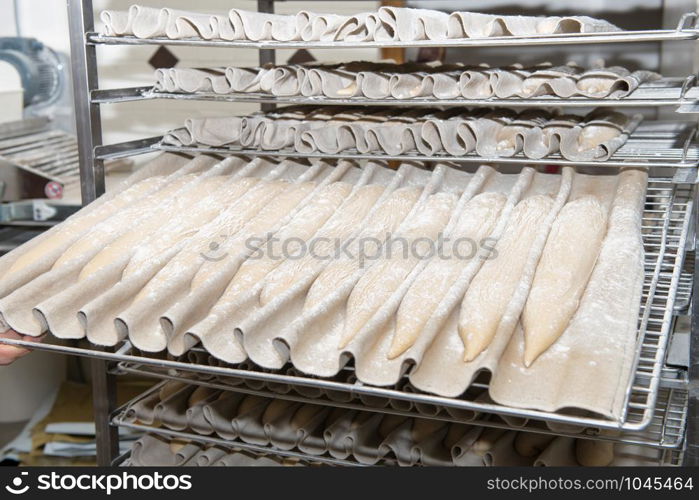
[(382, 279), (256, 228), (132, 239), (386, 219), (192, 217), (303, 226), (424, 295), (562, 274), (590, 453), (532, 444), (72, 226), (348, 218), (487, 440), (149, 212), (492, 288), (167, 277)]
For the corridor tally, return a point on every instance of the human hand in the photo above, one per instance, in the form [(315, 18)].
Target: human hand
[(10, 353)]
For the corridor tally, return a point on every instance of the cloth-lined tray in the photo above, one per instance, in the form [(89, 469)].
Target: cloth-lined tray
[(367, 437), (406, 81), (157, 451), (489, 133), (386, 24), (207, 275)]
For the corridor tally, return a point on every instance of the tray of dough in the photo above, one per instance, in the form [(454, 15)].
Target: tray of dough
[(304, 430), (600, 138), (386, 27), (165, 283), (666, 430)]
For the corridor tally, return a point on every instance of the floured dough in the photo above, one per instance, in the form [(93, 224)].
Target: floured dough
[(257, 227), (305, 415), (132, 239), (191, 218), (348, 218), (390, 423), (261, 193), (302, 227), (562, 274), (87, 220), (384, 277), (151, 218), (592, 136), (423, 428), (487, 440), (532, 444), (276, 409), (385, 220), (492, 288), (424, 295), (590, 453), (200, 394), (250, 403)]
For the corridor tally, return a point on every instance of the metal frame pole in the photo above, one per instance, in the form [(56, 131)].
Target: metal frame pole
[(266, 56), (691, 457), (89, 131)]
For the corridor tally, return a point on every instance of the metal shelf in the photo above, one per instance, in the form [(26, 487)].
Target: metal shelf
[(666, 443), (680, 92), (684, 290), (665, 225), (658, 144), (666, 429), (686, 30), (653, 144), (237, 443), (118, 419)]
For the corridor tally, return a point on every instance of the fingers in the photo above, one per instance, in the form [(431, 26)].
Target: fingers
[(10, 353)]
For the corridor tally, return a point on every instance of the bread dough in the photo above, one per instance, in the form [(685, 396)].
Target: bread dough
[(422, 298), (125, 243), (149, 213), (389, 215), (487, 440), (305, 415), (590, 453), (492, 288), (532, 444), (303, 227), (423, 428), (192, 216), (167, 277), (384, 277), (339, 228), (562, 274), (592, 136), (390, 423), (257, 227), (76, 225)]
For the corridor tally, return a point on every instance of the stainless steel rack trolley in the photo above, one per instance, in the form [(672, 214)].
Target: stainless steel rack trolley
[(661, 410)]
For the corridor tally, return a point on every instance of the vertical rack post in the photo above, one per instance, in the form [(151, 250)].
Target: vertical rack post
[(691, 457), (89, 131), (266, 56)]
